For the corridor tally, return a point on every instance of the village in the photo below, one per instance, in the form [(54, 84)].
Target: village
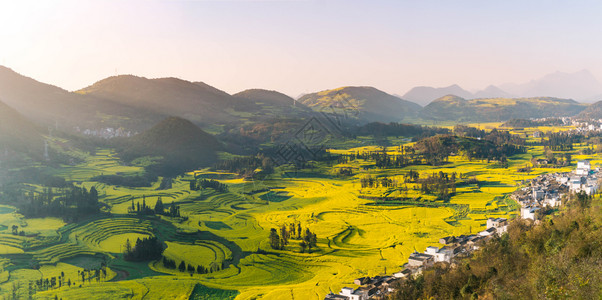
[(544, 192)]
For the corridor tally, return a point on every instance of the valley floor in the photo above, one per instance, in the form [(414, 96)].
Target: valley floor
[(356, 237)]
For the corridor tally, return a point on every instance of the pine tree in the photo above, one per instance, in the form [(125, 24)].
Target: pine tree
[(274, 239), (284, 235), (159, 209), (128, 247)]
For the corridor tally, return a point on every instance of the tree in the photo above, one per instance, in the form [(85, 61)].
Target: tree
[(159, 208), (182, 266), (128, 247), (284, 235), (274, 239), (303, 246), (583, 200)]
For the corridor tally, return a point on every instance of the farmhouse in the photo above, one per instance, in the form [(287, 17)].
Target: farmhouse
[(528, 212), (403, 273), (332, 296), (420, 260), (447, 240), (583, 168), (488, 232), (352, 294), (500, 224)]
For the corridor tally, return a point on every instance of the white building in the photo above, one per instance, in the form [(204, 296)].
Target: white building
[(528, 212), (488, 232), (403, 273), (354, 294), (553, 201), (583, 168), (500, 224), (420, 259), (438, 254)]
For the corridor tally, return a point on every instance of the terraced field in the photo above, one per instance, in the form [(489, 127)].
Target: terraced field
[(356, 237)]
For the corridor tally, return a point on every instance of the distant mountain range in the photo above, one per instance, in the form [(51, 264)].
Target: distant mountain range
[(581, 86), (423, 95), (138, 103)]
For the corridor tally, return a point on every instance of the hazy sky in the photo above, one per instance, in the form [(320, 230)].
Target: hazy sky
[(301, 46)]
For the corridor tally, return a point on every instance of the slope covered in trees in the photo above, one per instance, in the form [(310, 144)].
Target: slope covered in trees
[(181, 144), (18, 135), (593, 111), (52, 106), (559, 259)]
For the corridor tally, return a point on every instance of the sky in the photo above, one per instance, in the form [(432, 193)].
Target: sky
[(301, 46)]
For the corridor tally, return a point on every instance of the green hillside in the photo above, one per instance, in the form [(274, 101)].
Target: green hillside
[(269, 104), (365, 104), (182, 145), (453, 108), (197, 102), (18, 135), (593, 111)]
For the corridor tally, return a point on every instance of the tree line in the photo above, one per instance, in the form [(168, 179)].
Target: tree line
[(183, 267), (399, 129), (159, 209), (195, 185), (307, 239), (144, 249), (96, 274), (245, 166), (70, 204)]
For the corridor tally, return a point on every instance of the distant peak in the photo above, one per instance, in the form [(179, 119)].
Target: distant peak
[(450, 97)]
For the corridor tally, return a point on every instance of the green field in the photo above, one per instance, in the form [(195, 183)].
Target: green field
[(356, 237)]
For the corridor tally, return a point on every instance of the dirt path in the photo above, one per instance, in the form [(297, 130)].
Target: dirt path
[(121, 275)]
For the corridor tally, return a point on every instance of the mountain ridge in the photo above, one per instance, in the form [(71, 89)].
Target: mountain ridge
[(362, 103)]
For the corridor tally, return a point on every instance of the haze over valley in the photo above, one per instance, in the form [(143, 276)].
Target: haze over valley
[(336, 150)]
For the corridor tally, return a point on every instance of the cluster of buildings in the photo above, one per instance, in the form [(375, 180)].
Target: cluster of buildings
[(376, 287), (581, 126), (586, 126), (453, 246), (107, 132), (548, 190)]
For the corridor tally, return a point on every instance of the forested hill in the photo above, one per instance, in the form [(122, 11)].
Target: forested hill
[(453, 108), (593, 111), (181, 145), (52, 106), (365, 104), (197, 102), (18, 135), (271, 104)]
